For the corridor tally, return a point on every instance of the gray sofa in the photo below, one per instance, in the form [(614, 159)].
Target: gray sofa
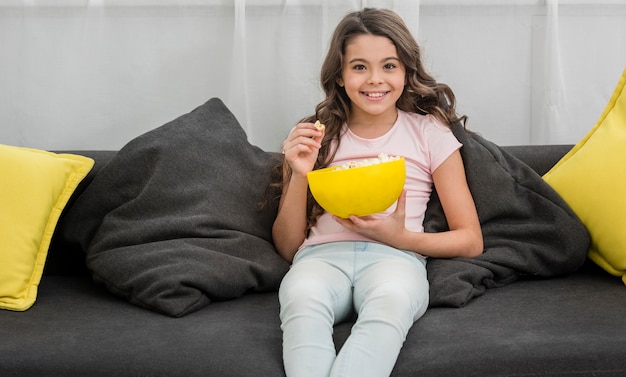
[(566, 325)]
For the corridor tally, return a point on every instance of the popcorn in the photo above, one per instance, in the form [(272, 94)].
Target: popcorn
[(320, 127), (382, 157)]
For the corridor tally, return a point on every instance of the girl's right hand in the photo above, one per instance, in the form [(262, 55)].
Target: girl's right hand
[(302, 147)]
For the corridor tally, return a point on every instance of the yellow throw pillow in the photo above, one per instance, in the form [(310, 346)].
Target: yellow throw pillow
[(35, 186), (591, 178)]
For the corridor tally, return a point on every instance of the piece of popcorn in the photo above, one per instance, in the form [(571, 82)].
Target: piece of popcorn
[(320, 127)]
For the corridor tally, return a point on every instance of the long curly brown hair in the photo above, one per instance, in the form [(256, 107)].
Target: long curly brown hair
[(422, 93)]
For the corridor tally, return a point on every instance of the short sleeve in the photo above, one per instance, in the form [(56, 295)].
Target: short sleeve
[(441, 142)]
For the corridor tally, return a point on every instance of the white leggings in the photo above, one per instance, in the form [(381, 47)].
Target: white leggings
[(386, 287)]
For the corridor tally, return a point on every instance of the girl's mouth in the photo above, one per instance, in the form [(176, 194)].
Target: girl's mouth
[(375, 95)]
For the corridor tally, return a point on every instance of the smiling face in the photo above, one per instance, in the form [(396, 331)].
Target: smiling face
[(373, 77)]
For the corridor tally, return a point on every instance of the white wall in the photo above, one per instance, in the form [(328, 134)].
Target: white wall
[(95, 74)]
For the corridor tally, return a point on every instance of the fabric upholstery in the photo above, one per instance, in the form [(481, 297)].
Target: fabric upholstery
[(570, 326)]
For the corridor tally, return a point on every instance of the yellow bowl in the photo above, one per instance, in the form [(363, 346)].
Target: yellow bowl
[(360, 191)]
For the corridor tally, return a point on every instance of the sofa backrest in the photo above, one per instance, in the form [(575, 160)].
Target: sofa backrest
[(65, 258), (539, 157)]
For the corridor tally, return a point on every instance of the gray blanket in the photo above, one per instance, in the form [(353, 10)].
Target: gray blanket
[(528, 230)]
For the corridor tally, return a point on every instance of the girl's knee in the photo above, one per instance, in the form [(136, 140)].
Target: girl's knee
[(312, 280), (302, 293), (311, 296), (409, 301), (295, 290)]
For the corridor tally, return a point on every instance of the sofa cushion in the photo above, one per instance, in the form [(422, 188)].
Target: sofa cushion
[(172, 222), (36, 186), (571, 326), (591, 179)]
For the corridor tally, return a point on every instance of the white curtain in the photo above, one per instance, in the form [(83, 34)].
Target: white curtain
[(93, 74)]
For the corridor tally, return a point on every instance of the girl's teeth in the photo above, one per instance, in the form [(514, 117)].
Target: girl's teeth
[(376, 94)]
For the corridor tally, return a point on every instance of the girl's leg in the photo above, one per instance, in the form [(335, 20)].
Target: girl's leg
[(314, 295), (389, 296)]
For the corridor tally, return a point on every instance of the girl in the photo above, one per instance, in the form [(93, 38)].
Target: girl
[(379, 99)]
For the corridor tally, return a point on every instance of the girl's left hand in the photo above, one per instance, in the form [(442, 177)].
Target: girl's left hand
[(385, 229)]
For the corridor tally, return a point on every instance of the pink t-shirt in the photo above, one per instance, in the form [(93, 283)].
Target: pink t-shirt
[(422, 140)]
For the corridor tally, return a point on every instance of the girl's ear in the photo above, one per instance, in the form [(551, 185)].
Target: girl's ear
[(340, 82)]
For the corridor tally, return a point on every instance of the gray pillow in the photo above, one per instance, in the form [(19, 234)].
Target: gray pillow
[(528, 229), (172, 222)]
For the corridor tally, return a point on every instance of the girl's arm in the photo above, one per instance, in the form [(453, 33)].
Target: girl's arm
[(289, 227), (464, 239), (300, 149)]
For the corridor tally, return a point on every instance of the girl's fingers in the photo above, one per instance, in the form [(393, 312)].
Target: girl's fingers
[(301, 140)]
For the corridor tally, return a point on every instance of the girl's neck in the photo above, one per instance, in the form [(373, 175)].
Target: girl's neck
[(372, 126)]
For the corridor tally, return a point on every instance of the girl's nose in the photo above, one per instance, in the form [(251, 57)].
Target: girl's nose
[(375, 78)]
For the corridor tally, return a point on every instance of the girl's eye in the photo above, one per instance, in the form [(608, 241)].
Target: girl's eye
[(358, 67), (390, 66)]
